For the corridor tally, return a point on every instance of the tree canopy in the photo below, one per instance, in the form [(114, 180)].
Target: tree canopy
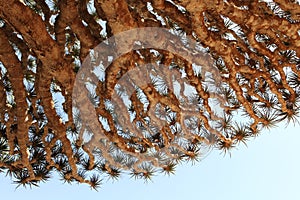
[(93, 89)]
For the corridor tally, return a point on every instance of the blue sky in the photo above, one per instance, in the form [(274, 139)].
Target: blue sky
[(267, 169)]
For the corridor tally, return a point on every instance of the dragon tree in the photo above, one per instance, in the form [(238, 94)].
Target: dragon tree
[(92, 89)]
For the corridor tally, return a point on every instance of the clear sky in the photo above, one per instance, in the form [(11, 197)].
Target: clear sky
[(269, 168)]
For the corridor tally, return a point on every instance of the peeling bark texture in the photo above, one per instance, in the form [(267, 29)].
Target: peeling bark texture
[(218, 73)]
